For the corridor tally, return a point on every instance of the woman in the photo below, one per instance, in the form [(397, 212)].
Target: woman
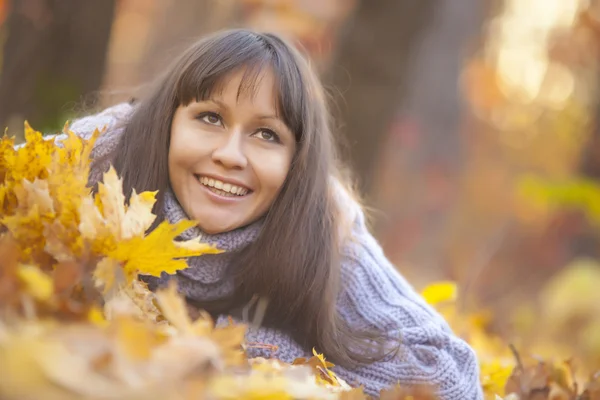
[(236, 135)]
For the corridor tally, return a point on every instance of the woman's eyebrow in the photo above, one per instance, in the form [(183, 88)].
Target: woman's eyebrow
[(275, 117), (217, 102)]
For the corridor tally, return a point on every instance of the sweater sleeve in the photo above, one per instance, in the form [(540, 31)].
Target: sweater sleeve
[(107, 119), (375, 296), (268, 342)]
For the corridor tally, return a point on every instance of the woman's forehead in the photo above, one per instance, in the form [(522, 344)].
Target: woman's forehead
[(245, 82), (239, 86)]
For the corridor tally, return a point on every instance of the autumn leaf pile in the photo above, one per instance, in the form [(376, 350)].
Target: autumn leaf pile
[(76, 322)]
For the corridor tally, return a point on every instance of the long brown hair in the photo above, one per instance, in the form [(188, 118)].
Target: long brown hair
[(295, 261)]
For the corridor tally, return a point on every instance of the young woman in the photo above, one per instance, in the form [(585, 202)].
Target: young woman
[(236, 135)]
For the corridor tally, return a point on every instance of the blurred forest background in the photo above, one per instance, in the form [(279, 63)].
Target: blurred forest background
[(472, 125)]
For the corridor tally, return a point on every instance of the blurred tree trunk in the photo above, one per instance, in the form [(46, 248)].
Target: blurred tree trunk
[(422, 194), (398, 71), (590, 166), (369, 75), (585, 241), (54, 54), (182, 22), (164, 30)]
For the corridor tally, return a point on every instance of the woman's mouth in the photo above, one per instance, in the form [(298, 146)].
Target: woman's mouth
[(222, 188)]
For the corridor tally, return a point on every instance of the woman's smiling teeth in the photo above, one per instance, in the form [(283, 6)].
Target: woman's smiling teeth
[(222, 188)]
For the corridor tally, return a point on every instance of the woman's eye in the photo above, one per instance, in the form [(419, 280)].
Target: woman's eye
[(267, 134), (211, 118)]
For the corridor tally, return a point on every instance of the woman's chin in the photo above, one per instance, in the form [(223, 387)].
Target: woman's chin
[(217, 227)]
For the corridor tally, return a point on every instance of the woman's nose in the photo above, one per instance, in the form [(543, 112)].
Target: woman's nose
[(230, 152)]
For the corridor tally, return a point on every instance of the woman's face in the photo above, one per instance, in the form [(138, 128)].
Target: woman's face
[(229, 155)]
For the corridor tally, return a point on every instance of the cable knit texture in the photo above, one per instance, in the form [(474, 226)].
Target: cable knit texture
[(373, 295)]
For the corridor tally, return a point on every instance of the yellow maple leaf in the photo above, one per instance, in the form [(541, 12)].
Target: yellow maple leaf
[(258, 386), (133, 300), (144, 300), (139, 216), (321, 368), (7, 145), (110, 194), (321, 358), (494, 376), (96, 317), (123, 221), (27, 229), (439, 292), (31, 160), (273, 379), (173, 308), (36, 192), (229, 339), (93, 229), (75, 150), (134, 338), (43, 185), (106, 274), (62, 242), (37, 283), (69, 172), (158, 252), (106, 220), (35, 207)]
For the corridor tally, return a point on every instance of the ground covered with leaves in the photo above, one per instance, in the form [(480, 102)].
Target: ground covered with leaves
[(75, 322)]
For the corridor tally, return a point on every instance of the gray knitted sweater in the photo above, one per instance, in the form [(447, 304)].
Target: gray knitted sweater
[(373, 295)]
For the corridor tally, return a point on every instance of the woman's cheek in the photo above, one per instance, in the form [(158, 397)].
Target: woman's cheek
[(275, 171)]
